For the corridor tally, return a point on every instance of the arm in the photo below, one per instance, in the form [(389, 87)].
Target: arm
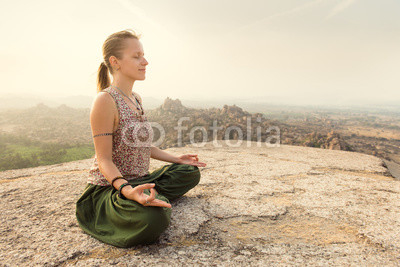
[(159, 154), (190, 159), (102, 120), (102, 116)]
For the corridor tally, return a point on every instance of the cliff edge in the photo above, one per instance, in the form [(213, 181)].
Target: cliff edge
[(285, 205)]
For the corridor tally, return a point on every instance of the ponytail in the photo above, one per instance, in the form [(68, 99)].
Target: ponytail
[(103, 79)]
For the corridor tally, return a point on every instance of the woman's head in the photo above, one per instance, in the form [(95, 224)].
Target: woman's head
[(123, 56)]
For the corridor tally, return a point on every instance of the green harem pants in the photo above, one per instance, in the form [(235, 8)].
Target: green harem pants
[(122, 222)]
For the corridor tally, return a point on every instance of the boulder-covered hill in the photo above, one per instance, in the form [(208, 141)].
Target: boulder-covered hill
[(172, 111), (284, 205)]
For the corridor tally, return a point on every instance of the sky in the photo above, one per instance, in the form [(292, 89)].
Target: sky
[(283, 51)]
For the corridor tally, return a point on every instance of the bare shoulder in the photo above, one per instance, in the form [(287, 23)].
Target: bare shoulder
[(104, 101)]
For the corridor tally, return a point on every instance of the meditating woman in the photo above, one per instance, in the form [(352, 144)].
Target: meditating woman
[(123, 204)]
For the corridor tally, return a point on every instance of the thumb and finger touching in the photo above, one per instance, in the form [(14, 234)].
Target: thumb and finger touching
[(151, 199)]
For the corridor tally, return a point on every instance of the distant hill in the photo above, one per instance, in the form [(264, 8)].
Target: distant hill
[(251, 104), (374, 133), (78, 101)]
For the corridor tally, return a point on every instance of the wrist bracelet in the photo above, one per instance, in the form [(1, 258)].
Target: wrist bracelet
[(113, 180), (120, 188)]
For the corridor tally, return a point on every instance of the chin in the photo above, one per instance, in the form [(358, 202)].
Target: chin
[(138, 78)]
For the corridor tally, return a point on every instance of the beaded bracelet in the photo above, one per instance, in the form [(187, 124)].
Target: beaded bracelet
[(120, 188), (118, 177)]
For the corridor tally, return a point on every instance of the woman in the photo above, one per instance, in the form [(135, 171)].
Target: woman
[(123, 204)]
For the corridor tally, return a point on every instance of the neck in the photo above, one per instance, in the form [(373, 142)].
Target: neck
[(125, 87)]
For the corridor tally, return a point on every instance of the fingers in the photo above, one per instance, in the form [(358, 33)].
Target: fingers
[(144, 186), (195, 156), (151, 199), (156, 202), (159, 203), (152, 195), (199, 164)]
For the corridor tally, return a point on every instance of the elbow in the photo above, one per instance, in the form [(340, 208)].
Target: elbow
[(104, 161)]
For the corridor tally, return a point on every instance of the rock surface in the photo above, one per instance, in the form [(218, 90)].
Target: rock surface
[(285, 205)]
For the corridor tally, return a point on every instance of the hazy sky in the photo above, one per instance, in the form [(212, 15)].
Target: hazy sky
[(302, 51)]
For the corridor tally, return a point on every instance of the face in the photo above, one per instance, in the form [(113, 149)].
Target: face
[(133, 64)]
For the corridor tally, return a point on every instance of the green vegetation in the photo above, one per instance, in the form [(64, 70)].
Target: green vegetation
[(18, 152)]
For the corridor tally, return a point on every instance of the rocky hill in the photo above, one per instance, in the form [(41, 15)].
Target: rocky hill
[(285, 205), (234, 123)]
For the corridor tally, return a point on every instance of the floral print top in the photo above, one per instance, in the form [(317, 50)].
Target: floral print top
[(131, 144)]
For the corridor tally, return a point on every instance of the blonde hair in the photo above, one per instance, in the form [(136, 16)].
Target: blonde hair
[(113, 46)]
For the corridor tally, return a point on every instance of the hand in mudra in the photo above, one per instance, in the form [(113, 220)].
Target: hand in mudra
[(139, 196), (191, 159)]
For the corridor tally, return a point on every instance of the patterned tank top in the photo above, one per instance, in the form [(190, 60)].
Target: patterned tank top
[(131, 143)]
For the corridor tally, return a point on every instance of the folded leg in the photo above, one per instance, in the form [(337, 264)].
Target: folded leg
[(119, 221)]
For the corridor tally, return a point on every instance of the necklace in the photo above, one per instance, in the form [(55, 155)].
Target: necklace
[(138, 106)]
